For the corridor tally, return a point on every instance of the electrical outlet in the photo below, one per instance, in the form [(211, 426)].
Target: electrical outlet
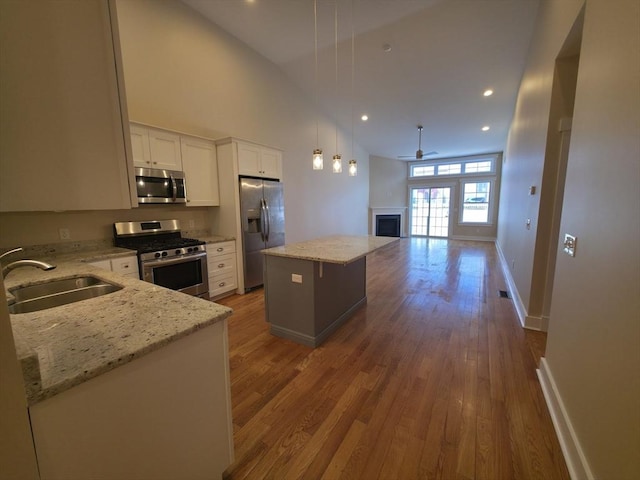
[(65, 234), (296, 278), (192, 224)]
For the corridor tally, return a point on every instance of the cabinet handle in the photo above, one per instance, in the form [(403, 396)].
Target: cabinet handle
[(125, 266), (221, 284), (221, 265), (220, 249)]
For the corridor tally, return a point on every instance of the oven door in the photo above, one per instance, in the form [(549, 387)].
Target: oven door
[(187, 274)]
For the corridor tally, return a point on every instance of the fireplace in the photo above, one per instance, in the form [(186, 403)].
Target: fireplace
[(388, 225), (388, 221)]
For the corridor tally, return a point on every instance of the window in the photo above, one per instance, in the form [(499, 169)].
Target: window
[(449, 169), (422, 170), (475, 202), (478, 167), (461, 166)]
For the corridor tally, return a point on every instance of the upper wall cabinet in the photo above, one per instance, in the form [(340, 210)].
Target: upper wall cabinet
[(154, 148), (62, 136), (200, 165), (259, 161)]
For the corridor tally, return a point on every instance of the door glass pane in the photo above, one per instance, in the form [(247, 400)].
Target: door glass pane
[(439, 212), (419, 211)]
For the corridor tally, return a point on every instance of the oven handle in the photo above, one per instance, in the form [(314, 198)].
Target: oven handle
[(173, 260), (174, 187)]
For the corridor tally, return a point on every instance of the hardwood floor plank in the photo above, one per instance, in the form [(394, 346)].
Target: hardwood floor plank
[(432, 378)]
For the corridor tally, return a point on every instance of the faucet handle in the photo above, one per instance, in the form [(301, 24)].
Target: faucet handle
[(9, 252)]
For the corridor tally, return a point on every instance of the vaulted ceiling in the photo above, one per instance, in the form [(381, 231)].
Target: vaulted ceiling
[(414, 62)]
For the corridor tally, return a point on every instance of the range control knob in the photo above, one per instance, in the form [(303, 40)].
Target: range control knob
[(157, 254), (178, 252), (164, 254)]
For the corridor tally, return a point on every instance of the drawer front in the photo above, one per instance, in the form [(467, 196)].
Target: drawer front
[(222, 284), (127, 265), (221, 264), (222, 248)]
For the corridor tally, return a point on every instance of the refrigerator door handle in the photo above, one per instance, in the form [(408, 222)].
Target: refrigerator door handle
[(263, 220), (266, 215)]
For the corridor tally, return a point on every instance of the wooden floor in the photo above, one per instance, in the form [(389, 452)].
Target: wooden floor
[(433, 378)]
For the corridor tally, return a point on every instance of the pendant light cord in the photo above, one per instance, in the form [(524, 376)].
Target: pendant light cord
[(336, 61), (315, 49)]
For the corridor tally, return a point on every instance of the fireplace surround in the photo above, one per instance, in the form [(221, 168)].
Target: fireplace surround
[(388, 216)]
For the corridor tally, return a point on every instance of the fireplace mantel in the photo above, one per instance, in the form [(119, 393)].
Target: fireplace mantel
[(402, 211)]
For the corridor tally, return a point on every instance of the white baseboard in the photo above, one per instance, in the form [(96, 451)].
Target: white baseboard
[(511, 285), (571, 449)]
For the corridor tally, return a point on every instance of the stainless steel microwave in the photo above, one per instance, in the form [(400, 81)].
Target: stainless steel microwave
[(160, 186)]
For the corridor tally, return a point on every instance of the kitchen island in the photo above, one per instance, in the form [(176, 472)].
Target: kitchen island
[(132, 384), (312, 287)]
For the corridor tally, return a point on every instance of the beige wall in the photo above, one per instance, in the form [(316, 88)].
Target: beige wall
[(184, 73), (593, 342)]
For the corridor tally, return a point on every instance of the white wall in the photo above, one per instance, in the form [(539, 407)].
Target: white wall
[(593, 352), (182, 72)]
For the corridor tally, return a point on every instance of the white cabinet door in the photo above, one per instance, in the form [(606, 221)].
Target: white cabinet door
[(165, 150), (249, 162), (200, 166), (140, 146), (271, 163)]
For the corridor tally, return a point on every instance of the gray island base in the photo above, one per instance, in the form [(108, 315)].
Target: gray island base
[(313, 287)]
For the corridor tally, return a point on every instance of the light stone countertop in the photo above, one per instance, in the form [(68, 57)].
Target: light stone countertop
[(341, 249), (64, 346)]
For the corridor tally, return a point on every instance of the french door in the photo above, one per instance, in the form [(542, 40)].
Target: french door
[(430, 211)]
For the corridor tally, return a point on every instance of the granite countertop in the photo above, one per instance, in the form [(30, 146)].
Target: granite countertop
[(64, 346), (339, 249)]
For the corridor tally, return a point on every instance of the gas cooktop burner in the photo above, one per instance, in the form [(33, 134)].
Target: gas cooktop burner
[(161, 237)]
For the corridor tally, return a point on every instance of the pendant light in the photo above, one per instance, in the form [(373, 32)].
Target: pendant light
[(317, 152), (337, 158), (353, 165)]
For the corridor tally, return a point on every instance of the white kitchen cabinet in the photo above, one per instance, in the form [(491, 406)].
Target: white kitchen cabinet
[(165, 415), (259, 161), (221, 264), (127, 266), (200, 165), (62, 121), (155, 148)]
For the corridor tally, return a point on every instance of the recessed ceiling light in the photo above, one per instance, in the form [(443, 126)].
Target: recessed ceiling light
[(386, 47), (488, 92), (364, 118), (486, 128)]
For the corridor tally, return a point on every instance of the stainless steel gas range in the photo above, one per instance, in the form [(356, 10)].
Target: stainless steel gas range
[(165, 257)]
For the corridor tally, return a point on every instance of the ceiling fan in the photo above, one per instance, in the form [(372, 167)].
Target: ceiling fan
[(419, 154)]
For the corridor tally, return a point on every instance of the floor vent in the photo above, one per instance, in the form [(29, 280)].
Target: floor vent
[(503, 294)]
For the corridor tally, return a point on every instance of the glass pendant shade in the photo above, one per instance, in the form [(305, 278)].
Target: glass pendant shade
[(337, 163), (317, 159), (353, 168)]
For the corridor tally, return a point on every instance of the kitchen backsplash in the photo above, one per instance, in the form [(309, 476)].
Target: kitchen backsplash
[(22, 229)]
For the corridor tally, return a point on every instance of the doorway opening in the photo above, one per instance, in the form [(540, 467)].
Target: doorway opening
[(430, 211)]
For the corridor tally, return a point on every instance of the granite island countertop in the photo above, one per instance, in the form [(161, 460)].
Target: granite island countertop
[(341, 249), (64, 346)]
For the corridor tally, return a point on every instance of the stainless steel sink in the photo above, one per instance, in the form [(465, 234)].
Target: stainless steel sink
[(58, 292)]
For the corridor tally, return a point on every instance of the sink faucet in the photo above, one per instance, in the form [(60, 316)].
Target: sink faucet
[(23, 263)]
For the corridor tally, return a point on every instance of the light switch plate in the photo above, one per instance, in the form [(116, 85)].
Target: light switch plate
[(296, 278), (570, 244)]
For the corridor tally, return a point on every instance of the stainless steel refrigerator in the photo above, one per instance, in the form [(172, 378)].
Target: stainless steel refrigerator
[(262, 217)]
